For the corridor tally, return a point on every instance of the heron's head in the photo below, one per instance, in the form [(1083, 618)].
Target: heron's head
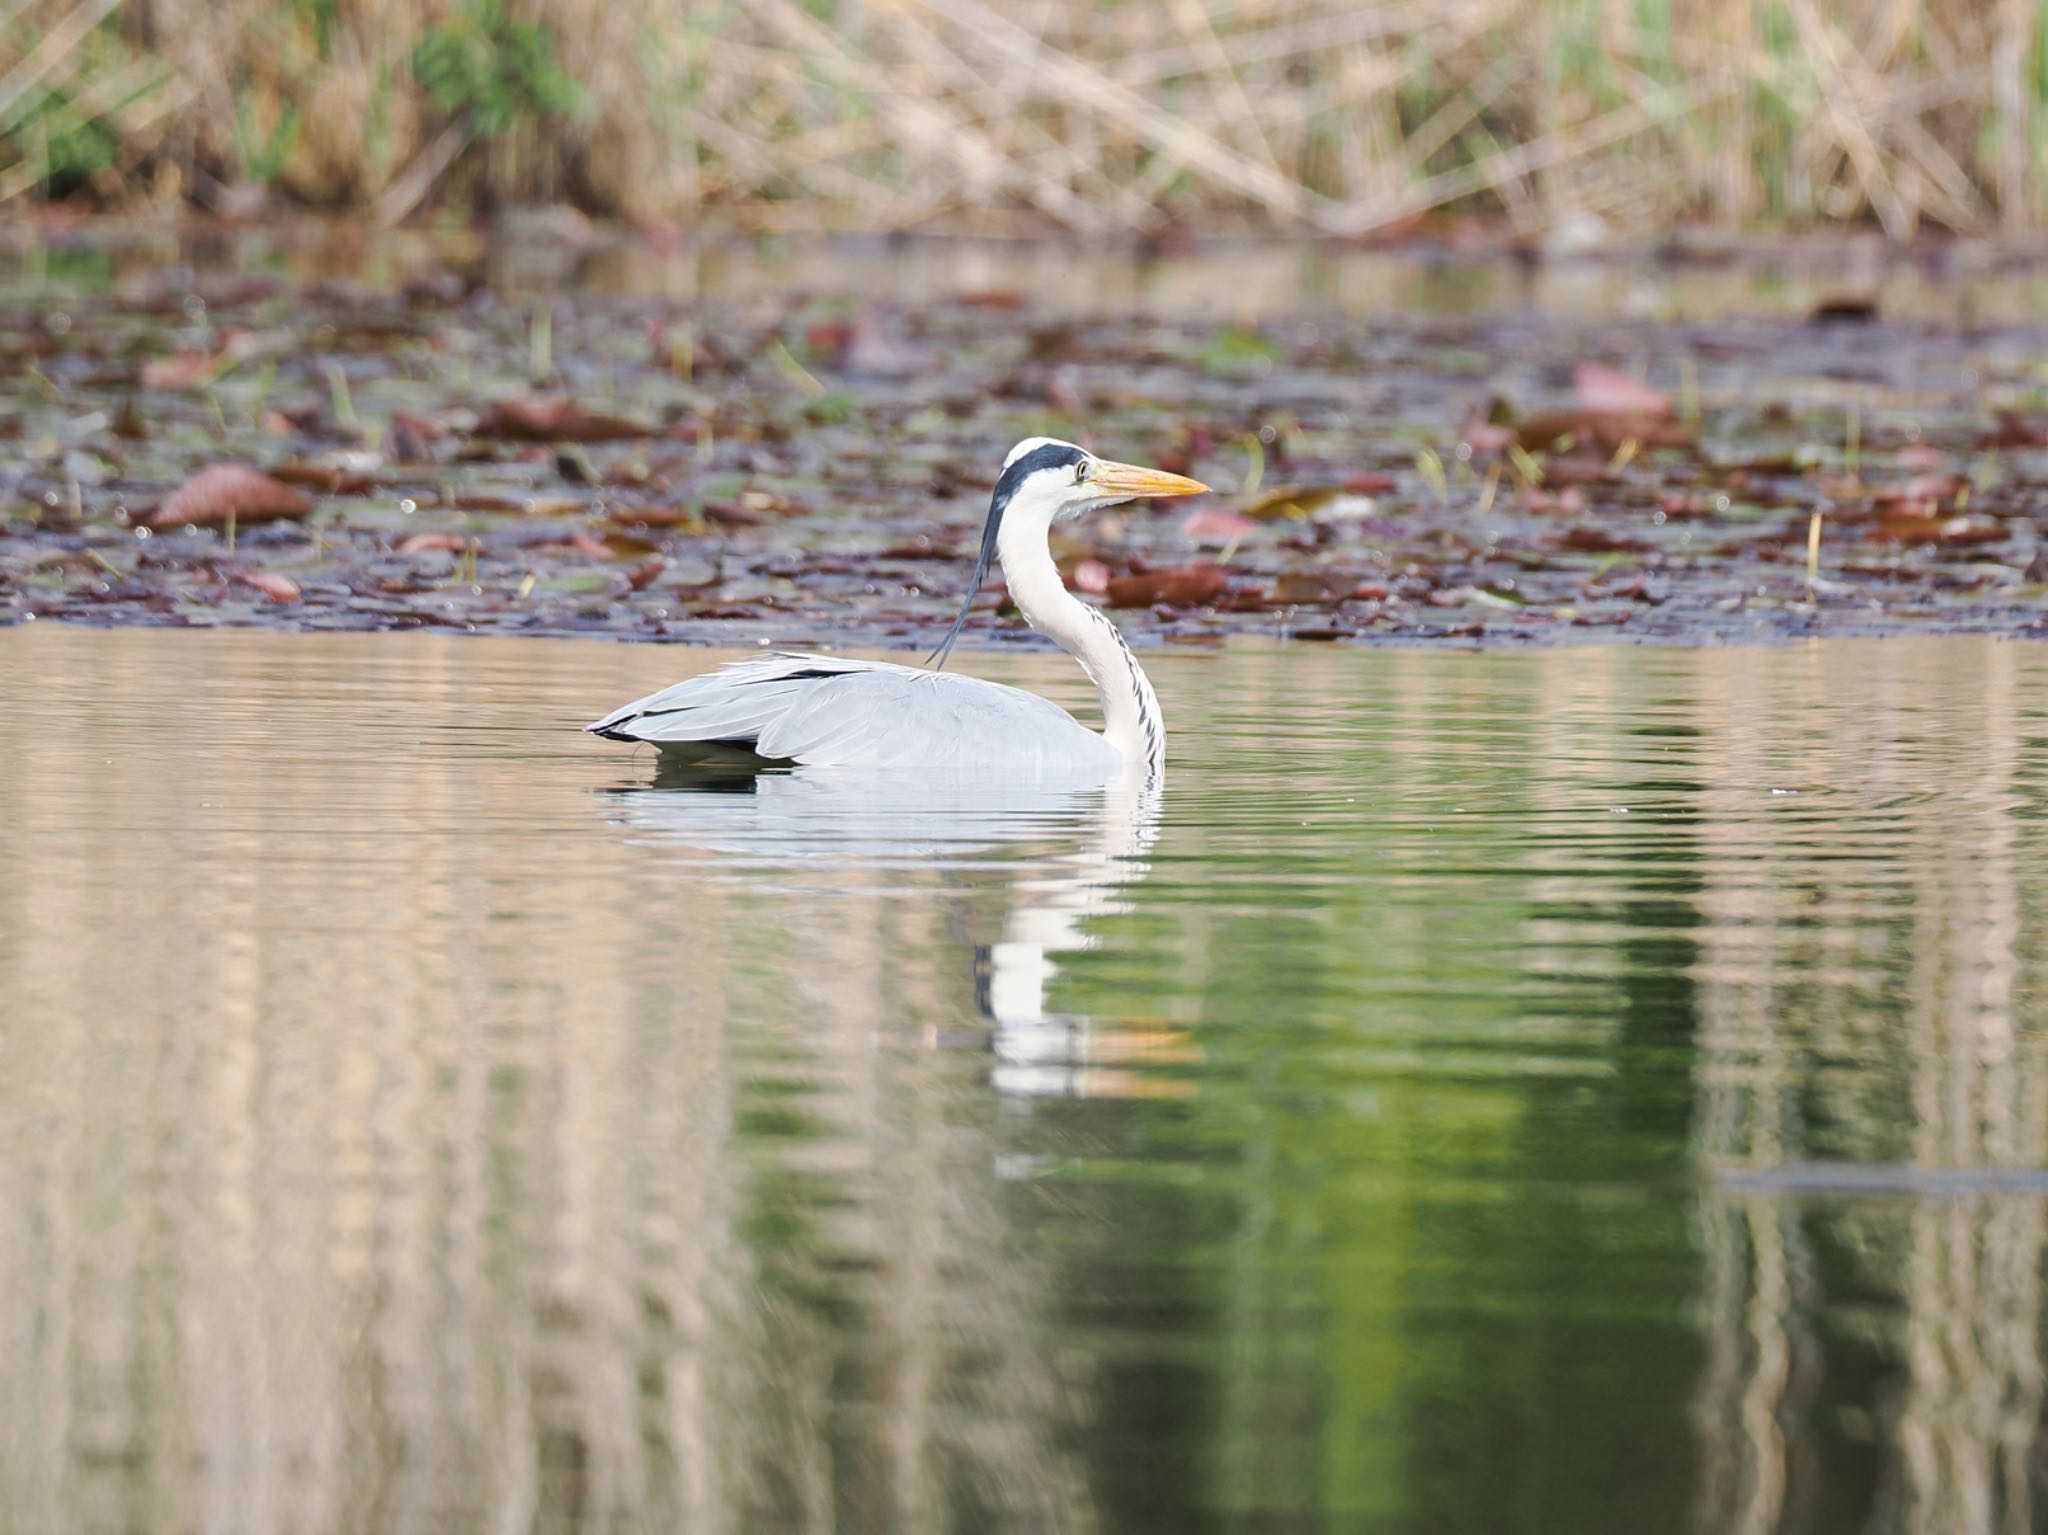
[(1044, 478), (1045, 481)]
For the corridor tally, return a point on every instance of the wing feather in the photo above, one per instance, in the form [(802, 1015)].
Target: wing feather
[(829, 710)]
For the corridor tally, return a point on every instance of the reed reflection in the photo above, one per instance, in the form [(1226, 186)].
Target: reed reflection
[(399, 1130), (1872, 1111), (387, 1144)]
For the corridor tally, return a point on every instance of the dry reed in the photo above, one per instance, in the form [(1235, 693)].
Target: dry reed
[(1297, 115)]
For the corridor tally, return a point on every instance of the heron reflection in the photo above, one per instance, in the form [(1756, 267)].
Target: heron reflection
[(1026, 869)]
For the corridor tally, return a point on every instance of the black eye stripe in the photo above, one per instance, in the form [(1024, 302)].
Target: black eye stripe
[(1053, 455)]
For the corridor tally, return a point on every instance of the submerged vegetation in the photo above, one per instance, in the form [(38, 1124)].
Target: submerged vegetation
[(243, 450), (1564, 116)]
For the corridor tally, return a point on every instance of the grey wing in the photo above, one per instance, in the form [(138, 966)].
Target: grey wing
[(729, 707), (828, 711)]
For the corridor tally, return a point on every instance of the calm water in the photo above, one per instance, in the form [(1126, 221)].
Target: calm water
[(1244, 280), (1596, 1091)]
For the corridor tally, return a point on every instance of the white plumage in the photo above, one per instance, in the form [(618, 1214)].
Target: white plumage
[(827, 711), (824, 711)]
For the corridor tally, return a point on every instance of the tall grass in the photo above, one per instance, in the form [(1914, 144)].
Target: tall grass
[(1089, 115)]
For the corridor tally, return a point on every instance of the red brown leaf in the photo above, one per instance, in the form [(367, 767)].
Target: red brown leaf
[(221, 491), (1186, 586), (1588, 539), (423, 543), (2015, 431), (1905, 525), (275, 585), (553, 418)]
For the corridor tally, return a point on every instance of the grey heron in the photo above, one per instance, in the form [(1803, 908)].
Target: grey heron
[(829, 711)]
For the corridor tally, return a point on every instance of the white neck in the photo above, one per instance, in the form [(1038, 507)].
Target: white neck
[(1131, 719)]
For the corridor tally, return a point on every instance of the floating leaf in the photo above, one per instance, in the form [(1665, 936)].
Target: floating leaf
[(1906, 525), (1309, 588), (1291, 501), (275, 585), (554, 418), (627, 545), (1185, 587), (426, 543), (221, 492), (1587, 539)]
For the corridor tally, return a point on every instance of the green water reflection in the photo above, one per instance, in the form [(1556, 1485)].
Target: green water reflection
[(1431, 1114)]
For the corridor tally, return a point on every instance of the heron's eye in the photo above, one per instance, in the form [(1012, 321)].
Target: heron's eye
[(1080, 473)]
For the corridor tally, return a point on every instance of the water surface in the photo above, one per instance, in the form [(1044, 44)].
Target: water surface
[(1227, 280), (1603, 1090)]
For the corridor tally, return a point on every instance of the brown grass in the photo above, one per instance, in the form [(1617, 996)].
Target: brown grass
[(1287, 114)]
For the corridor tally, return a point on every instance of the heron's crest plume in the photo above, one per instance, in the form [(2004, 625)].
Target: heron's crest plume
[(1026, 459)]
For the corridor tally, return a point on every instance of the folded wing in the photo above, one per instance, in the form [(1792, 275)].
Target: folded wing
[(826, 710)]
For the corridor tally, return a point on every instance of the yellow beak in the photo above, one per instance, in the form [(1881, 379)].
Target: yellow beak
[(1130, 480)]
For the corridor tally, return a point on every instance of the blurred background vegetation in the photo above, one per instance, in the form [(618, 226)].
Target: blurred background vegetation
[(1562, 118)]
